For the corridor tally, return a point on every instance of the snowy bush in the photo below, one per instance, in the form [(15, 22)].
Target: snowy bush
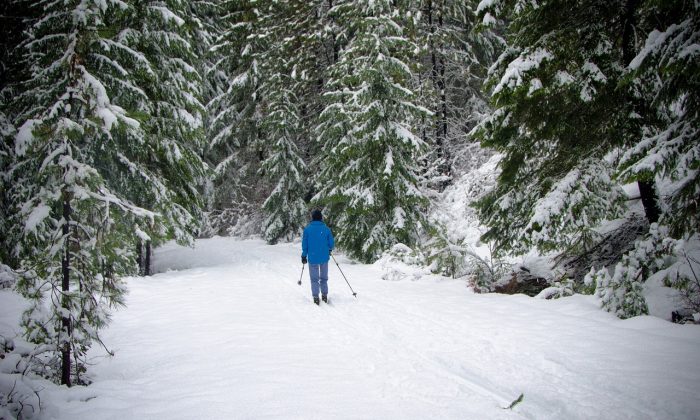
[(402, 262), (684, 273), (19, 397), (559, 289), (622, 292), (19, 394), (452, 250), (485, 273), (8, 278), (446, 258)]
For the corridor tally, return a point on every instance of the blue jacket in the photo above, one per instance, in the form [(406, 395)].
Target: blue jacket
[(317, 243)]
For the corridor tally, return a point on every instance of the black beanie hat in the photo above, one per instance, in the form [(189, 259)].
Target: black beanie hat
[(316, 215)]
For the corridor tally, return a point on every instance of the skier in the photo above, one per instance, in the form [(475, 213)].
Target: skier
[(317, 243)]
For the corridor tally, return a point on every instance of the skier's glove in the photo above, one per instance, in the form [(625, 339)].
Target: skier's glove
[(303, 260)]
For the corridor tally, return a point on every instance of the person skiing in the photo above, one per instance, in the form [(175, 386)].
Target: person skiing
[(317, 243)]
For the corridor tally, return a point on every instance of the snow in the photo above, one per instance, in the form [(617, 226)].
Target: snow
[(488, 19), (25, 136), (168, 15), (223, 331), (514, 74), (535, 85), (594, 72), (484, 5), (36, 217), (564, 78), (389, 162)]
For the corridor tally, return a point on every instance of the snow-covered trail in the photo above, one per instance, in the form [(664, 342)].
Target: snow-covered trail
[(230, 335)]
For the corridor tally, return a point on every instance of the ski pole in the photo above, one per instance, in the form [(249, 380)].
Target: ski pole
[(302, 274), (346, 279)]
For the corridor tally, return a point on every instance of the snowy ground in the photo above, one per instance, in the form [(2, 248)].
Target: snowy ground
[(225, 332)]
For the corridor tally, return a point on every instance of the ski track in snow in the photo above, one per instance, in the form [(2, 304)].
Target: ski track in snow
[(232, 336)]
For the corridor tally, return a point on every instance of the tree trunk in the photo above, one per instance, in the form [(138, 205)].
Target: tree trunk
[(65, 301), (649, 201), (336, 48), (139, 256), (147, 265), (628, 47)]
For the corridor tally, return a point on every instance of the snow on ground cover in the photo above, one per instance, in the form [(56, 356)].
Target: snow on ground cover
[(232, 336)]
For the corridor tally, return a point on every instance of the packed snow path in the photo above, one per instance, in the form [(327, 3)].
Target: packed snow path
[(230, 335)]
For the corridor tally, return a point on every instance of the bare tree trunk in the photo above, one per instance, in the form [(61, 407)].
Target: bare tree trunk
[(139, 256), (648, 195), (147, 265), (65, 288)]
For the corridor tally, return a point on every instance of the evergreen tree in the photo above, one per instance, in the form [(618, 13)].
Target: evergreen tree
[(666, 74), (165, 32), (369, 172), (15, 17), (76, 230), (207, 27), (6, 157), (292, 39), (109, 126), (622, 293), (285, 209), (235, 138), (560, 117), (583, 105)]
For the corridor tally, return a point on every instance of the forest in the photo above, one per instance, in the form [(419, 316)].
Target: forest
[(128, 124)]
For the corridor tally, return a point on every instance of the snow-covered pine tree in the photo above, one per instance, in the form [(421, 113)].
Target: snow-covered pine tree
[(7, 132), (164, 31), (110, 125), (666, 74), (291, 67), (205, 17), (559, 116), (236, 112), (369, 162), (77, 232), (15, 17), (622, 293), (285, 210)]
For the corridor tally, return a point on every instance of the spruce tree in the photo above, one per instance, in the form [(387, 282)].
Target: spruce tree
[(6, 158), (164, 31), (291, 39), (284, 208), (583, 105), (15, 17), (109, 125), (234, 134), (666, 74), (560, 116), (76, 231), (369, 172)]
